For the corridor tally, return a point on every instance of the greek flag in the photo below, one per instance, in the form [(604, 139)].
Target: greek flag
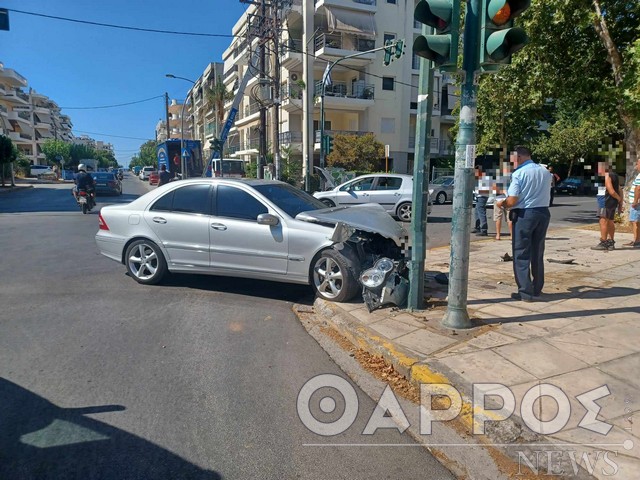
[(326, 76)]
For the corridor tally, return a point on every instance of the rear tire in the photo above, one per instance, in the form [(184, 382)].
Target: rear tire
[(85, 208), (331, 277), (441, 198), (403, 212), (145, 262)]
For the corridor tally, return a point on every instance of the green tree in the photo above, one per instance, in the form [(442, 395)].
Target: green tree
[(571, 139), (56, 150), (146, 156), (79, 152), (8, 155), (216, 97), (352, 152)]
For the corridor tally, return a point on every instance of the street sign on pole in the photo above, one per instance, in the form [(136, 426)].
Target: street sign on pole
[(386, 156)]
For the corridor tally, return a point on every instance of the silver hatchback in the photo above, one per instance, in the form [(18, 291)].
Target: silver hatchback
[(391, 190), (248, 228)]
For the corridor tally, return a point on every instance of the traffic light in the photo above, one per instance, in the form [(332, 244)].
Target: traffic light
[(399, 48), (498, 37), (328, 144), (388, 51), (442, 47)]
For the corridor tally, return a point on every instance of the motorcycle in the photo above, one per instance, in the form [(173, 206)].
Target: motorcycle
[(86, 200)]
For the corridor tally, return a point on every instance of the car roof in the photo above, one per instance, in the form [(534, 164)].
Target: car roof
[(245, 181)]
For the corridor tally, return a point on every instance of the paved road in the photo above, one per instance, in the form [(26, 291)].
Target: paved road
[(566, 212), (102, 378)]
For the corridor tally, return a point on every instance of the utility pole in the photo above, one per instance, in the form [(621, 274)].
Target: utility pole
[(276, 9), (420, 198), (263, 109), (308, 135), (457, 315), (166, 110)]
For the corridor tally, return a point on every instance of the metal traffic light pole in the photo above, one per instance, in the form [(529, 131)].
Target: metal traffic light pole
[(420, 196), (457, 315)]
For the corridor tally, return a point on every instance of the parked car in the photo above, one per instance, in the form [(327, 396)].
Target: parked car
[(441, 189), (392, 191), (107, 182), (154, 178), (575, 186), (144, 173), (40, 170), (257, 229)]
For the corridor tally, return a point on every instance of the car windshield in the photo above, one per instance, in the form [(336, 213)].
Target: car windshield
[(289, 199), (149, 169)]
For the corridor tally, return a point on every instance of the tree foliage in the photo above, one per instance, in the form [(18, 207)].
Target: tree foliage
[(359, 153), (8, 155), (584, 56), (146, 156), (216, 97), (56, 150)]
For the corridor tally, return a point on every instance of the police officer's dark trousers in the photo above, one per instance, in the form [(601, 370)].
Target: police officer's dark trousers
[(529, 231)]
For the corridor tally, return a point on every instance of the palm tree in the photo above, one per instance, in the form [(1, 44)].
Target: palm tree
[(217, 97)]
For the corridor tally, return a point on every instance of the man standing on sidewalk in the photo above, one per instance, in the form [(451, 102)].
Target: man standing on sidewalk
[(483, 190), (528, 199), (607, 210), (634, 211)]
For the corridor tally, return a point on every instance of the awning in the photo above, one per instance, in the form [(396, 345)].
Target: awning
[(350, 21)]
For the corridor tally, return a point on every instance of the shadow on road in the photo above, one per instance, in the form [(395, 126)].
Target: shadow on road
[(41, 440), (581, 216), (288, 292), (50, 199)]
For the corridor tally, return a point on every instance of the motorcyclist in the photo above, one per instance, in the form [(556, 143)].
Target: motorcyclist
[(83, 180)]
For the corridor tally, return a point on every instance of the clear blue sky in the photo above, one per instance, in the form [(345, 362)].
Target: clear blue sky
[(79, 65)]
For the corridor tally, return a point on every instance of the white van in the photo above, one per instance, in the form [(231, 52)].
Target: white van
[(40, 170), (228, 167)]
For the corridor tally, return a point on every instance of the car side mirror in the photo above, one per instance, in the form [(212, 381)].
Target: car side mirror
[(268, 219)]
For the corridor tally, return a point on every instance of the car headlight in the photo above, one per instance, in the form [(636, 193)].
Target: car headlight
[(431, 191), (375, 276)]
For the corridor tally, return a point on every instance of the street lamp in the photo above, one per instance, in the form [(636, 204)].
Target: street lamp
[(182, 155)]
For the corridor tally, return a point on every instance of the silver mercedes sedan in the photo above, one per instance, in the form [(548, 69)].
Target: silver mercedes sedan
[(258, 229)]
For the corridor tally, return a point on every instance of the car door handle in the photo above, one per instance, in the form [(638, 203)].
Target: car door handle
[(218, 226), (159, 220)]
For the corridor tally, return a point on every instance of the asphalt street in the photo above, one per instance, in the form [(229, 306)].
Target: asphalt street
[(103, 378)]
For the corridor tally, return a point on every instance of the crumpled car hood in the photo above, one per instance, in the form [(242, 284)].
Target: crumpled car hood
[(369, 217)]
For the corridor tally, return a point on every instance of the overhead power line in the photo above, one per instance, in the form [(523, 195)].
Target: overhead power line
[(124, 27), (109, 135), (113, 106)]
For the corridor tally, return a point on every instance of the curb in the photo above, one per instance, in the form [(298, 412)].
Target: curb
[(511, 431)]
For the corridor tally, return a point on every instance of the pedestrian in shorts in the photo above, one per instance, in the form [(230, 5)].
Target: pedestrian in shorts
[(609, 201)]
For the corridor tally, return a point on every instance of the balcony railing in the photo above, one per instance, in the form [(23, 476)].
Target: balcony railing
[(290, 137), (251, 144), (333, 133), (357, 89), (22, 95), (232, 71), (3, 109), (292, 91), (291, 45), (344, 42), (251, 109), (26, 136)]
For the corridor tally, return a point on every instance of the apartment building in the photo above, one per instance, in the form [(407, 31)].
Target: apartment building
[(28, 117), (202, 111), (364, 95), (175, 124)]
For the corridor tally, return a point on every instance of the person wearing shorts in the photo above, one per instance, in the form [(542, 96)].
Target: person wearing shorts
[(608, 204), (634, 210)]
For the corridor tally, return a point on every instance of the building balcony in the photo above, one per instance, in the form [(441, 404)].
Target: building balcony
[(248, 147), (291, 53), (43, 135), (333, 133), (231, 75), (361, 5), (433, 142), (248, 114), (346, 96), (4, 111), (21, 137), (3, 90), (291, 97), (288, 138), (17, 98), (22, 117), (13, 78), (339, 45)]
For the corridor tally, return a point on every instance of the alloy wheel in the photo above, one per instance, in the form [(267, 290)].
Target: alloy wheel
[(328, 277), (143, 262)]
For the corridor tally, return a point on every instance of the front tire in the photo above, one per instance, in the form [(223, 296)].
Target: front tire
[(145, 262), (441, 198), (331, 277), (85, 208), (328, 202), (403, 212)]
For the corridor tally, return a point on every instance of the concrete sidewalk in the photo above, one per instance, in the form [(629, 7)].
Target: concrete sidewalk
[(583, 334)]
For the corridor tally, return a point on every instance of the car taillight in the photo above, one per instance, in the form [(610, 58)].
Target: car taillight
[(82, 193), (103, 225)]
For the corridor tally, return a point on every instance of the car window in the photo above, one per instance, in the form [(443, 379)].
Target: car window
[(448, 182), (232, 202), (388, 183), (192, 199), (359, 185), (289, 199), (164, 203)]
